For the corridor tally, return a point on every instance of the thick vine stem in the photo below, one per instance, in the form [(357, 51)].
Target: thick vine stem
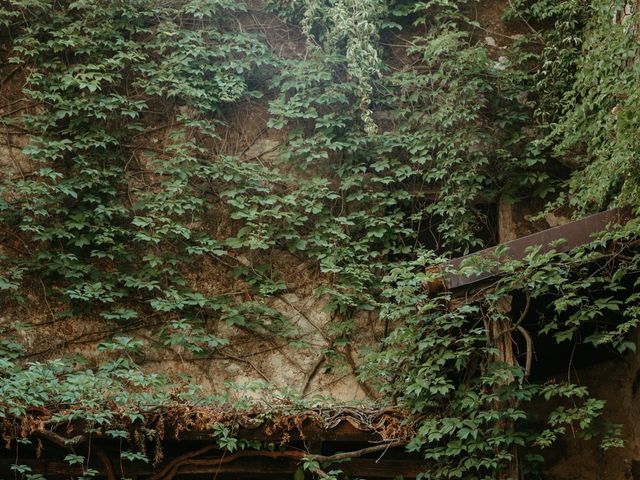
[(522, 316), (320, 473), (182, 458), (529, 341), (312, 373), (106, 465), (346, 351), (525, 311), (172, 468), (59, 440)]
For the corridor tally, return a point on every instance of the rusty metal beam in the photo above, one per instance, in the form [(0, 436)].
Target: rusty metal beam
[(574, 233)]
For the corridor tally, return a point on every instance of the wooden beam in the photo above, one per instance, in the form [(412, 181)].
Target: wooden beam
[(506, 225)]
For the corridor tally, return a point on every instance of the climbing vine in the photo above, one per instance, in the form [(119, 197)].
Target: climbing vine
[(401, 130)]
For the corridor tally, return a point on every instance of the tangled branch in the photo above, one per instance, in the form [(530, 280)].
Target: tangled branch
[(172, 468)]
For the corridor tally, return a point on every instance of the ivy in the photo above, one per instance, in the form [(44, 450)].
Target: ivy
[(399, 127), (585, 87), (433, 361), (106, 212)]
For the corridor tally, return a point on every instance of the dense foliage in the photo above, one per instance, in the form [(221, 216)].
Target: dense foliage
[(401, 128)]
